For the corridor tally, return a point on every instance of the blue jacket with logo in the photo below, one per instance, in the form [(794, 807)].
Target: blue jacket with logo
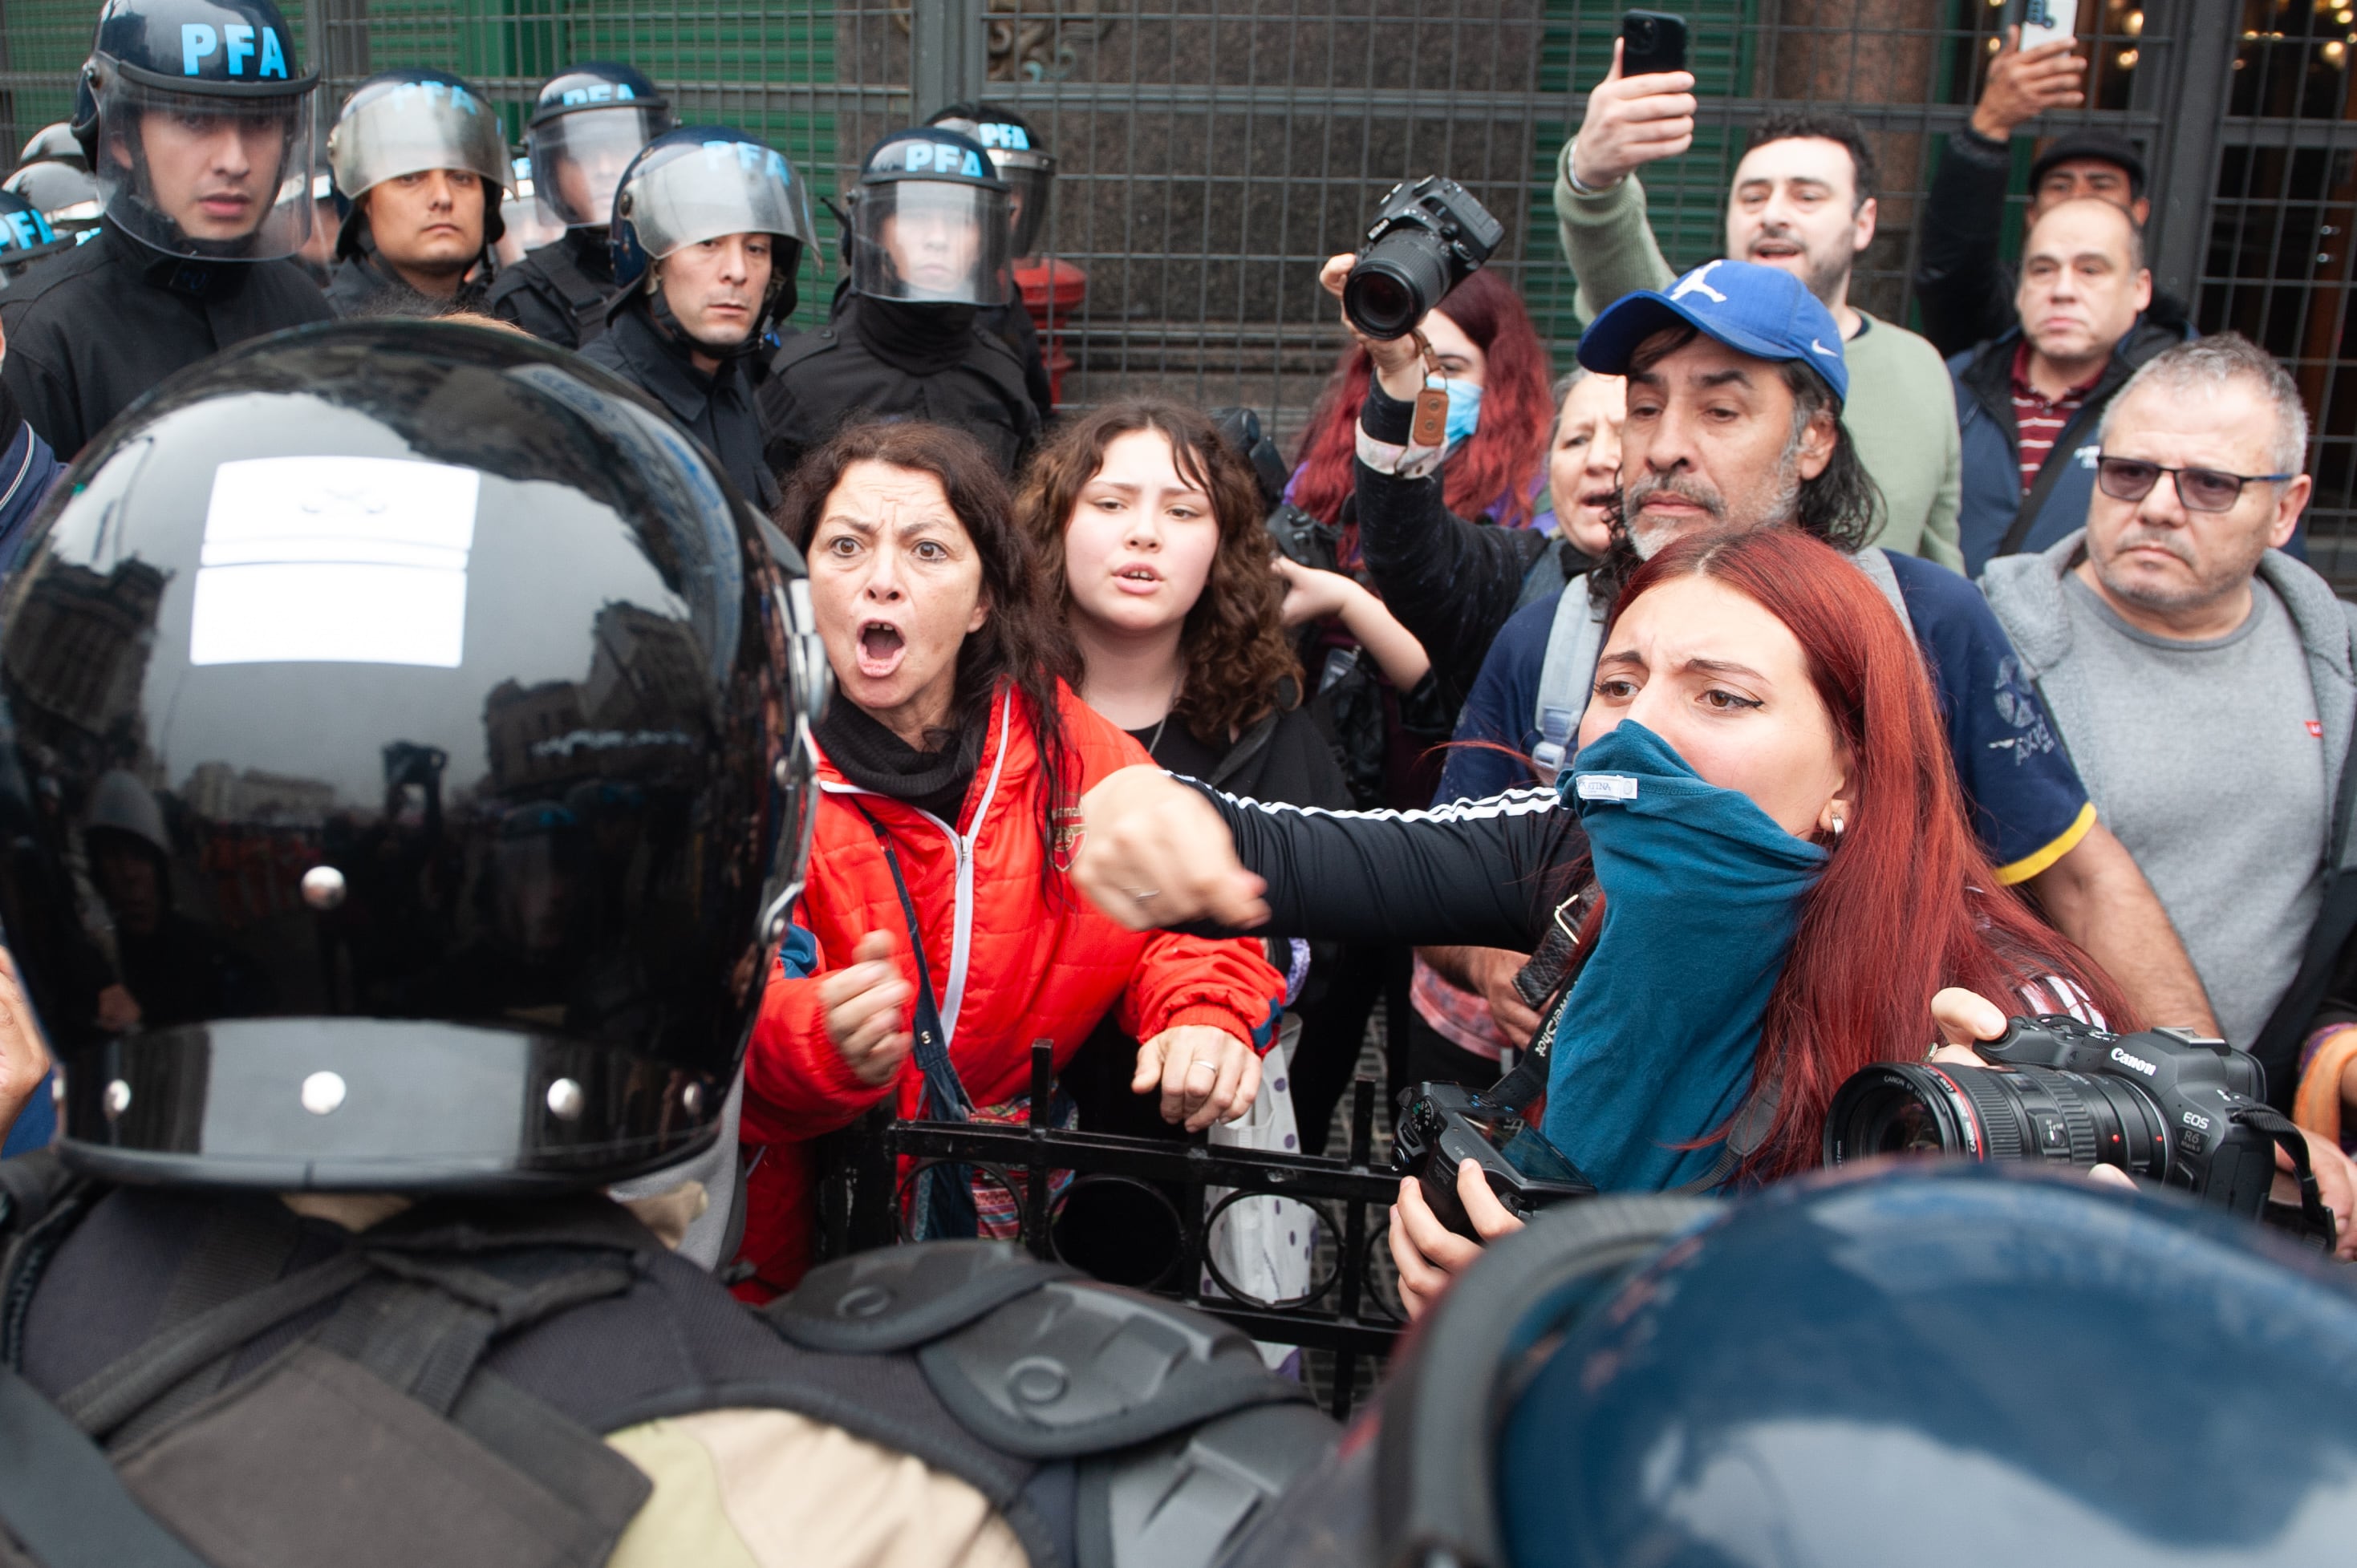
[(1992, 494)]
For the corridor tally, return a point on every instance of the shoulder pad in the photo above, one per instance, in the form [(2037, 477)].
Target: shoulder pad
[(898, 1297), (1076, 1368), (1183, 1502)]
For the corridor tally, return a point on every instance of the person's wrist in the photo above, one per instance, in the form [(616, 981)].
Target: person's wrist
[(1590, 181), (1988, 128)]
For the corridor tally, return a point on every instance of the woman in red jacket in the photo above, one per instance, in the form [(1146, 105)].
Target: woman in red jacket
[(951, 761)]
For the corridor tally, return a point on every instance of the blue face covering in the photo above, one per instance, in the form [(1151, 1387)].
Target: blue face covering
[(1464, 408), (1702, 892)]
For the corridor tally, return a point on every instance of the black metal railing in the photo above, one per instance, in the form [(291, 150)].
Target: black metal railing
[(1344, 1312)]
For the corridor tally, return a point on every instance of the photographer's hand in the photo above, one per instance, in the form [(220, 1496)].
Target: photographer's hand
[(1205, 1075), (1154, 853), (2336, 1183), (866, 1009), (1399, 364), (1631, 122), (1427, 1252), (2022, 85)]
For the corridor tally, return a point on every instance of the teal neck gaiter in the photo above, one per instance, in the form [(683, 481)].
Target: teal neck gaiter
[(1654, 1046)]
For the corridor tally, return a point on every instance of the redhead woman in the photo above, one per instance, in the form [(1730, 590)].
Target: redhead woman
[(1760, 845), (940, 934)]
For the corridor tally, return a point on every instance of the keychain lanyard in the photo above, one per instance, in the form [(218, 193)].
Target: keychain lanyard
[(1430, 428)]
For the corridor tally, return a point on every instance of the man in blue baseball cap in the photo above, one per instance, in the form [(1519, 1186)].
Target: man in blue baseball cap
[(1736, 387)]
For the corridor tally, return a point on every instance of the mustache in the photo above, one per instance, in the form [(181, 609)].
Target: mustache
[(1636, 492)]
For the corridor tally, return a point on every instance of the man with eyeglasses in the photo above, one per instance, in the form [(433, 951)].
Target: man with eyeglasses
[(2203, 681)]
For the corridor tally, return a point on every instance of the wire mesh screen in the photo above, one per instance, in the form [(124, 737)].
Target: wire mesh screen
[(1213, 152)]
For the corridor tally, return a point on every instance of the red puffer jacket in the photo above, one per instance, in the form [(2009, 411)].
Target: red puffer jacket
[(1014, 958)]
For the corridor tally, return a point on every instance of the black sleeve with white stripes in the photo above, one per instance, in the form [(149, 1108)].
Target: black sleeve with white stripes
[(1476, 873)]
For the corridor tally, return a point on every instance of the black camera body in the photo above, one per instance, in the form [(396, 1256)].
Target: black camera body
[(1426, 238), (2166, 1104), (1303, 539), (1443, 1124)]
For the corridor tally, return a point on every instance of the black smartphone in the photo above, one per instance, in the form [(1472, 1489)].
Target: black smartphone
[(1652, 42)]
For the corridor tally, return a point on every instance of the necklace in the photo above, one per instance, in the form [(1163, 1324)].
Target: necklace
[(1176, 687)]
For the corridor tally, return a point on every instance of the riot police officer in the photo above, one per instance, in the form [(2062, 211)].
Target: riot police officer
[(62, 193), (420, 157), (708, 227), (929, 246), (196, 117), (25, 237), (54, 143), (587, 125), (1942, 1364), (1023, 162), (337, 1280)]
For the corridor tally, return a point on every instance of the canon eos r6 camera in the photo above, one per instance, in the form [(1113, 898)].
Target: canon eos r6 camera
[(2166, 1104), (1441, 1125), (1426, 240)]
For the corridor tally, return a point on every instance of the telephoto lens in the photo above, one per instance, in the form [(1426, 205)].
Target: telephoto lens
[(2166, 1104), (1426, 240)]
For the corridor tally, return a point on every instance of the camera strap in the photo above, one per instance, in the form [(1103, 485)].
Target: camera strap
[(2316, 1221), (1430, 427)]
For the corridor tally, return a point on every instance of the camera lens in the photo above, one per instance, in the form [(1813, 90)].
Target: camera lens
[(1396, 284), (2028, 1114), (1641, 32)]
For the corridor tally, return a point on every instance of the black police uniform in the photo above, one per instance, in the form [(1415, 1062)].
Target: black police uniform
[(878, 359), (716, 409), (558, 292), (190, 1370), (95, 328)]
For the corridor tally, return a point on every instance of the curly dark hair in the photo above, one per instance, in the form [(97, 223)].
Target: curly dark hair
[(1842, 506), (1830, 126), (1237, 656), (1022, 642)]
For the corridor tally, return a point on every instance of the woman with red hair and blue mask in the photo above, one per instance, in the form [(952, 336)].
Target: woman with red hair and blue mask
[(1759, 861)]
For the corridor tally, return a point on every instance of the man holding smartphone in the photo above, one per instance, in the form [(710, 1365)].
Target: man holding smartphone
[(1803, 201), (1962, 284)]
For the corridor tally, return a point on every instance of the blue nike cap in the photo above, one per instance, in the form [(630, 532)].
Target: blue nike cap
[(1764, 312)]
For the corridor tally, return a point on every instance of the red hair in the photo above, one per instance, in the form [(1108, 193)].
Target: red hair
[(1506, 453), (1909, 902)]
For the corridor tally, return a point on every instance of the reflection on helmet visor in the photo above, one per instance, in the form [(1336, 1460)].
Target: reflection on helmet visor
[(701, 193), (577, 160), (409, 127), (207, 176)]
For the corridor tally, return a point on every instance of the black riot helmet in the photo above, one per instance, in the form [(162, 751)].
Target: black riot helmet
[(1019, 156), (706, 182), (63, 194), (410, 122), (1947, 1364), (25, 237), (928, 221), (319, 642), (587, 125), (215, 87), (54, 143)]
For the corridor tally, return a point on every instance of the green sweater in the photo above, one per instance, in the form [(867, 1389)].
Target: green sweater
[(1901, 410)]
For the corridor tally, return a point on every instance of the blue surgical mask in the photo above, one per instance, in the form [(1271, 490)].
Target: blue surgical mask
[(1464, 408)]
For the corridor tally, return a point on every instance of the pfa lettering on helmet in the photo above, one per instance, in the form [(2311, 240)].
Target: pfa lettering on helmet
[(598, 92), (435, 93), (944, 157), (246, 52), (26, 228), (998, 135)]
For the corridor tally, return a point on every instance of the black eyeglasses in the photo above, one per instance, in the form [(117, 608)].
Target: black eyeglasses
[(2202, 489)]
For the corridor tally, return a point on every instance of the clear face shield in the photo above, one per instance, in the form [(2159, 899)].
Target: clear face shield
[(1029, 177), (699, 193), (528, 223), (579, 158), (929, 240), (66, 196), (409, 127), (207, 176)]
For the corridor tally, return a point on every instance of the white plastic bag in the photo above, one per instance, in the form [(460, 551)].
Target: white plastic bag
[(1263, 1245)]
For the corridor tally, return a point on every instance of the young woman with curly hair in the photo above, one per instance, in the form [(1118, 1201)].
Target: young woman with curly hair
[(1148, 528)]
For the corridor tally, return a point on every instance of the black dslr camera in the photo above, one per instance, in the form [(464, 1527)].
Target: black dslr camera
[(2166, 1104), (1443, 1124), (1300, 537), (1426, 240)]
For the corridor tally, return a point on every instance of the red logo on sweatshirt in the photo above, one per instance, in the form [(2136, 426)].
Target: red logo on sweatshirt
[(2316, 728)]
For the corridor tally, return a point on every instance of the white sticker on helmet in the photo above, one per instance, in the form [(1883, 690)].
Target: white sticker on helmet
[(335, 559)]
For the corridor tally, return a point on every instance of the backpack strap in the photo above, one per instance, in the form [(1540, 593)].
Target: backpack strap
[(1875, 562), (2278, 1042), (62, 1500), (1573, 645)]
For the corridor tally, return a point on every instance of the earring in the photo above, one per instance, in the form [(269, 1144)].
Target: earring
[(1838, 823)]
